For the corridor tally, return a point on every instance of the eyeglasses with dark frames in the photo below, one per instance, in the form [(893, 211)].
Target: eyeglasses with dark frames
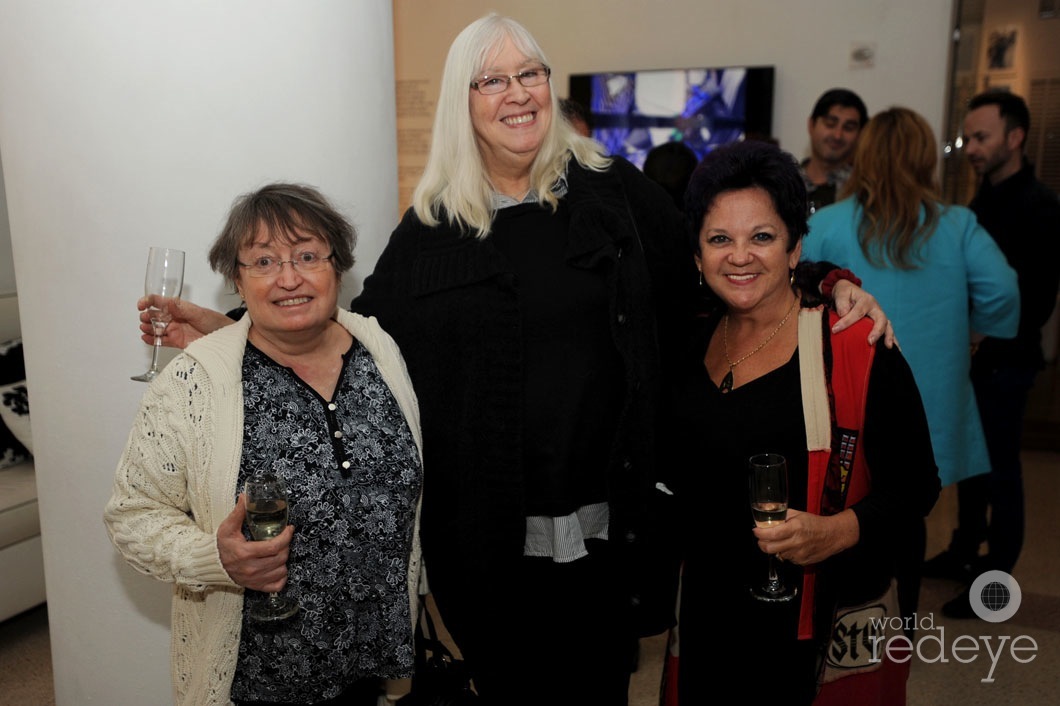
[(307, 261), (491, 84)]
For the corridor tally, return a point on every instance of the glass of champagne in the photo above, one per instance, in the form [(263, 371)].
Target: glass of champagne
[(769, 506), (165, 276), (266, 518)]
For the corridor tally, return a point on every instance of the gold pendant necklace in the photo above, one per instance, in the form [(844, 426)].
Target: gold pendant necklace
[(726, 382)]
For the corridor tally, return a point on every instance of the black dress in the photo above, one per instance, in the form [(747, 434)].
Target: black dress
[(707, 439), (722, 558)]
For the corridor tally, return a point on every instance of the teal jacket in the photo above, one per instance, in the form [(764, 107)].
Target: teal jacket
[(963, 284)]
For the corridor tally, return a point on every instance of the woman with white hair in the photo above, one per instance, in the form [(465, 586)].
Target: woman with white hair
[(522, 287), (532, 288)]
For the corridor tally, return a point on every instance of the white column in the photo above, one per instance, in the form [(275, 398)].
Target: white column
[(130, 124)]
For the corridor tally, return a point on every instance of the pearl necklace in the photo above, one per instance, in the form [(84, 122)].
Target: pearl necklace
[(726, 382)]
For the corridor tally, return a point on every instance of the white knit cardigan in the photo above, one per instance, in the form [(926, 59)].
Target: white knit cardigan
[(176, 482)]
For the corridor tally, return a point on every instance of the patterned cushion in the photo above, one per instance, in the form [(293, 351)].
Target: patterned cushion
[(12, 377), (14, 411), (12, 362)]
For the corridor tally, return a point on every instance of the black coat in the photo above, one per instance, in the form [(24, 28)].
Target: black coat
[(1023, 216), (450, 301)]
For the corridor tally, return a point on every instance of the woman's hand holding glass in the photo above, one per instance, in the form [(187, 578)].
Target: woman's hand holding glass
[(806, 539), (768, 480), (265, 500), (259, 566), (165, 277), (188, 321)]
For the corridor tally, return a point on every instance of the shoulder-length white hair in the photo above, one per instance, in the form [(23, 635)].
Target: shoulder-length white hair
[(455, 181)]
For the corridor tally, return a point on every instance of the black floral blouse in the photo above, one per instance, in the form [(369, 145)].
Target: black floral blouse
[(353, 478)]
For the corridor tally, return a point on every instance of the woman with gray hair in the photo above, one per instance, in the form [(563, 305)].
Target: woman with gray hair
[(319, 398)]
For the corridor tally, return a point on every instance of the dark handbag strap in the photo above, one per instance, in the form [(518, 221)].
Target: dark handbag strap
[(440, 679)]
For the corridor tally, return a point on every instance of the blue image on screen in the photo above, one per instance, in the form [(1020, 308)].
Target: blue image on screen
[(635, 111)]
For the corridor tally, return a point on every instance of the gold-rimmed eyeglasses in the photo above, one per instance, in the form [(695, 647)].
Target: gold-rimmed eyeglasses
[(269, 266), (491, 84)]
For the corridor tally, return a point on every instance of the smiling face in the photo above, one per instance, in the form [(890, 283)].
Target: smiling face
[(511, 125), (833, 135), (292, 301), (743, 251)]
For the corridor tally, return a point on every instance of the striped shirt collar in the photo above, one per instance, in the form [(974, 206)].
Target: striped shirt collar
[(499, 201)]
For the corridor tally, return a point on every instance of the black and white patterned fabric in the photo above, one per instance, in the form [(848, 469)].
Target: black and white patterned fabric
[(14, 412), (353, 477), (15, 442)]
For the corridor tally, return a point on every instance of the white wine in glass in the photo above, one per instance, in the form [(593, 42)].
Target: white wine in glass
[(165, 276), (768, 475), (266, 517)]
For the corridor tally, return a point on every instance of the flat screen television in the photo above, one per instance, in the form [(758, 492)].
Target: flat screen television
[(633, 111)]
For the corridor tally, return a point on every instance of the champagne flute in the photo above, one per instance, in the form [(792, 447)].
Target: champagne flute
[(266, 518), (165, 276), (769, 506)]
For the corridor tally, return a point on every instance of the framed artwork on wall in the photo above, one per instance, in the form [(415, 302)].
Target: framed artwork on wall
[(1001, 44)]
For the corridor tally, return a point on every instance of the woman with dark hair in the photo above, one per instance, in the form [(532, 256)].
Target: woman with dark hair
[(764, 373)]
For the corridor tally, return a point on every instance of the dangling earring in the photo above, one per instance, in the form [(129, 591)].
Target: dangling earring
[(791, 278), (701, 278)]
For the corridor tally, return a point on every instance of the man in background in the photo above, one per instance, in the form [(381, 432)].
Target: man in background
[(834, 126), (1023, 216)]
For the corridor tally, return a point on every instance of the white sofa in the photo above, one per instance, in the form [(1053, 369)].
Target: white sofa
[(21, 560)]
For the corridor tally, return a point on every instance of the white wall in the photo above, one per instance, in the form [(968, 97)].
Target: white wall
[(809, 42), (129, 124), (7, 265)]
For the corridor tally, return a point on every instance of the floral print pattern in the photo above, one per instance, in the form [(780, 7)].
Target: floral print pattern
[(353, 476)]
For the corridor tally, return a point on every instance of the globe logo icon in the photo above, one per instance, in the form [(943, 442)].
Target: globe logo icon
[(995, 595)]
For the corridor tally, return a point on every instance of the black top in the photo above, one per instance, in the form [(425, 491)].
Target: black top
[(452, 303), (352, 473), (572, 373), (708, 440), (1023, 216)]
